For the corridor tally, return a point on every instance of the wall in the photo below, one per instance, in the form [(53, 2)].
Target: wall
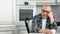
[(55, 9)]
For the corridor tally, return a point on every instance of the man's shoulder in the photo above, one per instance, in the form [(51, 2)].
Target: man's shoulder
[(37, 16)]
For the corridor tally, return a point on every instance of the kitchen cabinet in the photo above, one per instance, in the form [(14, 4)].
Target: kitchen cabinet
[(21, 29), (58, 2), (6, 32), (20, 2), (46, 2), (25, 0), (7, 29), (6, 12), (22, 8)]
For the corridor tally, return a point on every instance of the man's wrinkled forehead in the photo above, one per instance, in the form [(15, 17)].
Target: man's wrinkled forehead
[(47, 8)]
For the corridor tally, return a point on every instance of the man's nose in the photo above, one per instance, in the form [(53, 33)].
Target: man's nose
[(45, 13)]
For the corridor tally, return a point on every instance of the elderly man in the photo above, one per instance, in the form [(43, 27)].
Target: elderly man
[(44, 22)]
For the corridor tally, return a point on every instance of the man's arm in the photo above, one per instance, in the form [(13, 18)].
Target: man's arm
[(35, 29), (53, 24), (50, 15)]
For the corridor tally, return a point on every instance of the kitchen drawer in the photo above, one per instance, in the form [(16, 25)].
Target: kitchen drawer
[(7, 27), (22, 28), (8, 32)]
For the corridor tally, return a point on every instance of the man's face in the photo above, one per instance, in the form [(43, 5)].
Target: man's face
[(45, 12)]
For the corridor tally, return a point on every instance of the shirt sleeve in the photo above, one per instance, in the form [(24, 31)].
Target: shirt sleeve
[(53, 25)]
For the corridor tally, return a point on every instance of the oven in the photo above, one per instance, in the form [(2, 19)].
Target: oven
[(24, 12)]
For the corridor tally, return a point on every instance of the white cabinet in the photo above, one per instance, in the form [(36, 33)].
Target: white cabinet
[(58, 2), (20, 2), (23, 32), (6, 11), (21, 29), (46, 2), (7, 29), (26, 0), (9, 32)]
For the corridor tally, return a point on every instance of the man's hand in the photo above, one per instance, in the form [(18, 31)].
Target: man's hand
[(50, 15), (47, 31), (42, 31)]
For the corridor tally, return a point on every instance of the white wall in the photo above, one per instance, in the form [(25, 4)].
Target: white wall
[(55, 9), (6, 11)]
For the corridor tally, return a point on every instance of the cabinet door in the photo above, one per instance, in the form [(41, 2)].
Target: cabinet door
[(6, 11), (9, 32)]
